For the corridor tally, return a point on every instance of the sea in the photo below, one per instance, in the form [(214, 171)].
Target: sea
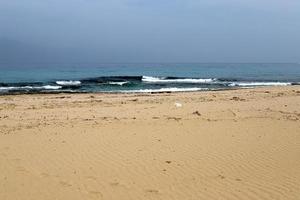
[(143, 77)]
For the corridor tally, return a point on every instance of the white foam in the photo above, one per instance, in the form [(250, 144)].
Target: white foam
[(151, 79), (68, 83), (51, 87), (47, 87), (165, 90), (245, 84), (118, 83), (7, 88)]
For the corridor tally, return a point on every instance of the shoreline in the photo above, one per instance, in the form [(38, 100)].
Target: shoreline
[(233, 144), (142, 93)]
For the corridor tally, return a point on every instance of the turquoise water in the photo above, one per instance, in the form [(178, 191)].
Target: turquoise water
[(143, 77)]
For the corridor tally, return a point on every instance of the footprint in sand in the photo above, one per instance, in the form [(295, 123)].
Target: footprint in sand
[(221, 176), (152, 192), (22, 170), (114, 183), (91, 178), (44, 175), (96, 193), (65, 183), (119, 185), (17, 160)]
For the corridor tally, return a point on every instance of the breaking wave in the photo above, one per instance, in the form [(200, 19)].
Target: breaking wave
[(45, 87), (138, 84), (151, 79), (68, 83), (118, 83), (249, 84), (165, 90)]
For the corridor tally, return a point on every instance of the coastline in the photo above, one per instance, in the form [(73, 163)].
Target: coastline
[(228, 144), (137, 92)]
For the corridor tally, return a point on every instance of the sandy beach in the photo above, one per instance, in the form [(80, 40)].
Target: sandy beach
[(237, 144)]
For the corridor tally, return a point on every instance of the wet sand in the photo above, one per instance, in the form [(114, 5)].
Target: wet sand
[(238, 144)]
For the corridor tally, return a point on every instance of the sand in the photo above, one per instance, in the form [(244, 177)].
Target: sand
[(239, 144)]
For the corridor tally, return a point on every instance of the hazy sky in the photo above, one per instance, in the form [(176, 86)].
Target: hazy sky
[(149, 31)]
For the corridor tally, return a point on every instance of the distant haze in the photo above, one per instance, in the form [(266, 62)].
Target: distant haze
[(68, 31)]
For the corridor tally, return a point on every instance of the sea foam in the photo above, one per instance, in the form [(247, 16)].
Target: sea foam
[(165, 90), (46, 87), (151, 79), (68, 83), (247, 84), (118, 83)]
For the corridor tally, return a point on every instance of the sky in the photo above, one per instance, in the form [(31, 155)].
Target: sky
[(124, 31)]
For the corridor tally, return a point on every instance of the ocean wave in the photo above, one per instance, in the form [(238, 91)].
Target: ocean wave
[(165, 90), (107, 79), (46, 87), (151, 79), (118, 83), (139, 84), (51, 87), (247, 84), (68, 83)]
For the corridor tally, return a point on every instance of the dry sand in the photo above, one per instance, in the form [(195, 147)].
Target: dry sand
[(240, 144)]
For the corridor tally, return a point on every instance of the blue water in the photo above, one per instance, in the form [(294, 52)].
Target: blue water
[(142, 77)]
